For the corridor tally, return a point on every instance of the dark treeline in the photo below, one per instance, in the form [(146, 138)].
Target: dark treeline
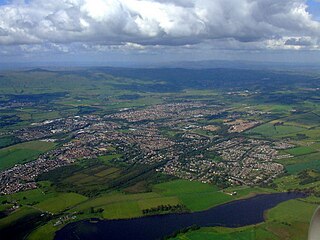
[(179, 208)]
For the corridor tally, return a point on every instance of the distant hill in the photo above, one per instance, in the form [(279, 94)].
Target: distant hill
[(182, 78)]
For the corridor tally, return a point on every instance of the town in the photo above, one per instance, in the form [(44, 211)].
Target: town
[(137, 134)]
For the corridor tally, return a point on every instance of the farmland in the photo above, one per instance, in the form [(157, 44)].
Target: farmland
[(196, 196), (60, 202), (21, 153), (269, 130)]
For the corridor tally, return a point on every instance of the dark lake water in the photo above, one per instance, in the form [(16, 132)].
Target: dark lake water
[(234, 214)]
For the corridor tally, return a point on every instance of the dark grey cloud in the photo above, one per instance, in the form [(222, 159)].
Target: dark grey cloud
[(299, 42)]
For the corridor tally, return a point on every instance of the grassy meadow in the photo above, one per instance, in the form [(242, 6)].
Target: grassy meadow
[(22, 153)]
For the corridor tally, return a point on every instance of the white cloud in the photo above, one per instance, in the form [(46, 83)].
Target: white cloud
[(156, 22)]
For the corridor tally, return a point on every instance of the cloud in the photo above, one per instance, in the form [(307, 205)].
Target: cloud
[(300, 41), (155, 22)]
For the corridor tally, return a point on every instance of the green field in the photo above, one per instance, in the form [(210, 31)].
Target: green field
[(95, 177), (46, 231), (269, 130), (308, 119), (290, 182), (22, 153), (298, 151), (119, 205), (298, 167), (195, 195), (44, 198), (292, 211), (17, 216), (87, 177), (31, 197), (287, 182), (301, 159), (107, 158), (143, 203), (227, 234), (61, 202), (246, 191)]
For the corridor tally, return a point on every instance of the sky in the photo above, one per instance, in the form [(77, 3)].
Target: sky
[(144, 31)]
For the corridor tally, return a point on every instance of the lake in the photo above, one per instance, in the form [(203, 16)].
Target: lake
[(234, 214)]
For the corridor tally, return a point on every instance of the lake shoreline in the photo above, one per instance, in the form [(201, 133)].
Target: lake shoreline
[(232, 214)]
